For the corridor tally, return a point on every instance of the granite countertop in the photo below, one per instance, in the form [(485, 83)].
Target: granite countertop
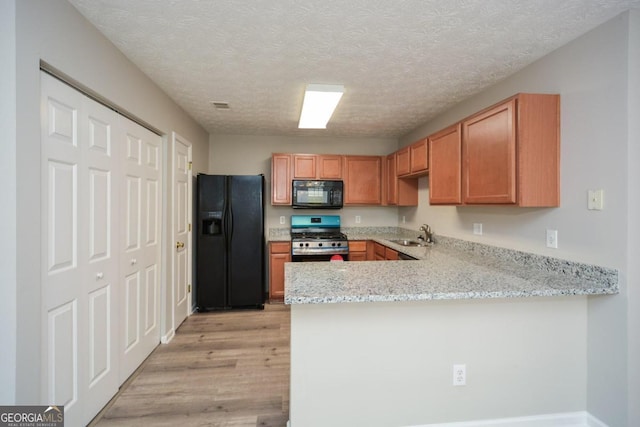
[(450, 269)]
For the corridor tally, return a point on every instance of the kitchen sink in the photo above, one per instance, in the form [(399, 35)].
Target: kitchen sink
[(405, 242)]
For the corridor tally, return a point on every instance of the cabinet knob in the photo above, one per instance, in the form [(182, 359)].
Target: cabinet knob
[(179, 245), (99, 275), (134, 261)]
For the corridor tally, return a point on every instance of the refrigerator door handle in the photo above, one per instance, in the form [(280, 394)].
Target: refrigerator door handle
[(230, 224)]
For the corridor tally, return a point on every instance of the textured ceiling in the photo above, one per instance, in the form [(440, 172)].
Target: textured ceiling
[(401, 62)]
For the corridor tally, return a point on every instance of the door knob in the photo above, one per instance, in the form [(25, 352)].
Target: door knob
[(179, 245)]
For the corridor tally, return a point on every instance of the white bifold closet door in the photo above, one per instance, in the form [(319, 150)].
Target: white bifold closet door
[(140, 253), (100, 249)]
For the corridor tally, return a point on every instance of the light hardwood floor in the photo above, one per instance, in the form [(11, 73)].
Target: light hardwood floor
[(221, 369)]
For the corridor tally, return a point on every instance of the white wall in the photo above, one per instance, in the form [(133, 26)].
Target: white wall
[(8, 206), (391, 363), (591, 75), (244, 154), (55, 32), (633, 272)]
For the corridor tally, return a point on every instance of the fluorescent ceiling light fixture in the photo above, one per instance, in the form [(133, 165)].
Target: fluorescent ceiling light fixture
[(319, 103)]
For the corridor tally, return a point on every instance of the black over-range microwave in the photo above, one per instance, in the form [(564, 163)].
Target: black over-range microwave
[(317, 194)]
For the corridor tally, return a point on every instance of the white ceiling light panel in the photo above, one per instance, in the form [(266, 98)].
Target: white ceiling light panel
[(319, 103)]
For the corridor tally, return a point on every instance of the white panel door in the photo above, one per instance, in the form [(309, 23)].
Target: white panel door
[(100, 210), (181, 204), (140, 244), (79, 165)]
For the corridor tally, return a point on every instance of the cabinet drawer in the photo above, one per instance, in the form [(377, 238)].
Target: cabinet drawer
[(280, 247), (358, 246)]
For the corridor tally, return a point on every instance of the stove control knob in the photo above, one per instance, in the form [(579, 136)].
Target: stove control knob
[(301, 244), (306, 244), (339, 244), (320, 244)]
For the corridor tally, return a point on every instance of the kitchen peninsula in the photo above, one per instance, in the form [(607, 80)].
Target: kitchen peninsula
[(374, 343)]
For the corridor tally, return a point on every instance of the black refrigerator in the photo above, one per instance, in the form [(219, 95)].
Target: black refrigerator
[(230, 242)]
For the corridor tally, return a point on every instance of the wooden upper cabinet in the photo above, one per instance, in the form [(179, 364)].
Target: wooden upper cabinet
[(329, 167), (445, 166), (413, 160), (362, 180), (304, 166), (538, 133), (403, 161), (510, 153), (317, 166), (419, 155), (391, 180), (281, 179), (399, 191), (489, 156)]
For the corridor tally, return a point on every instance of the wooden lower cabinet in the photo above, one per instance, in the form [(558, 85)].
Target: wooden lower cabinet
[(378, 251), (357, 250), (279, 254), (383, 253), (390, 254)]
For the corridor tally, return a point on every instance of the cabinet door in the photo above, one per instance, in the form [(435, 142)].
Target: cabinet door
[(357, 250), (489, 156), (304, 166), (403, 162), (445, 174), (392, 180), (357, 256), (362, 180), (379, 251), (419, 154), (281, 179), (390, 254), (399, 191), (329, 167), (279, 254)]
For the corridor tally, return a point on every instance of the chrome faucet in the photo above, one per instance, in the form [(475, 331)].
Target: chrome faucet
[(428, 234)]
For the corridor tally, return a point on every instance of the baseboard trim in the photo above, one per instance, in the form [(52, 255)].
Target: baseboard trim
[(594, 422), (568, 419), (168, 336)]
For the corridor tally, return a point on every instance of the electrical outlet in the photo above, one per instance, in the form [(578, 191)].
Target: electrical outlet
[(404, 219), (282, 219), (358, 219), (477, 228), (596, 200), (459, 375), (552, 239)]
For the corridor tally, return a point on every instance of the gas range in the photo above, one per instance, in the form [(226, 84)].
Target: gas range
[(317, 238)]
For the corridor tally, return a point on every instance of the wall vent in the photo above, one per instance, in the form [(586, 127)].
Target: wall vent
[(220, 105)]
